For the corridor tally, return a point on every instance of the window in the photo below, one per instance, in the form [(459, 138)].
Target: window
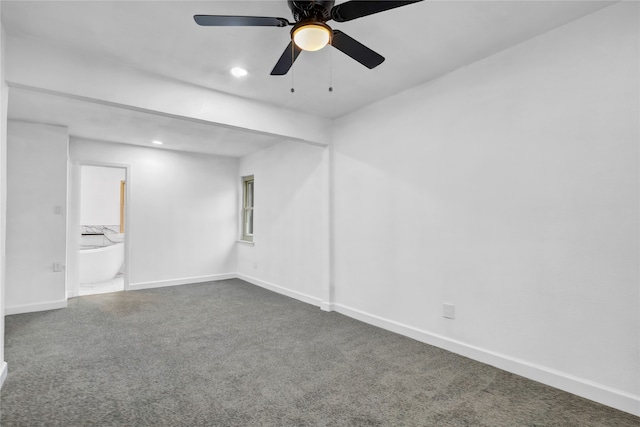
[(247, 208)]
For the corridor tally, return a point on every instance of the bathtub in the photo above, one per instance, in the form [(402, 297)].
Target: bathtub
[(99, 264)]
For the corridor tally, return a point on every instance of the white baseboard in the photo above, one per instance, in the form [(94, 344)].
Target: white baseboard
[(590, 390), (30, 308), (280, 290), (3, 373), (185, 281), (326, 306)]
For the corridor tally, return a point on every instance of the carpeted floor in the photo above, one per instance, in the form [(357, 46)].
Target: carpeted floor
[(232, 354)]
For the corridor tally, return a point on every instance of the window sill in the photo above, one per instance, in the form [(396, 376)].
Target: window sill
[(245, 242)]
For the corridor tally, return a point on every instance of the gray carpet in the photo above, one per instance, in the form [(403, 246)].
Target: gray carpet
[(232, 354)]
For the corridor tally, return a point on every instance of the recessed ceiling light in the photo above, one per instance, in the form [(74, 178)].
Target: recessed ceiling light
[(157, 142), (238, 72)]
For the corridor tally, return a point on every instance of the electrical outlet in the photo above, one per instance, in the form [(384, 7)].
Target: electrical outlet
[(57, 210), (449, 311), (58, 266)]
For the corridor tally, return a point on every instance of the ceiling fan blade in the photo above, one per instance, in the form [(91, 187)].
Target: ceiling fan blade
[(239, 21), (286, 60), (356, 50), (358, 8)]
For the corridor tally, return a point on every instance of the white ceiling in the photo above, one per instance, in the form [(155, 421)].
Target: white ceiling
[(421, 42)]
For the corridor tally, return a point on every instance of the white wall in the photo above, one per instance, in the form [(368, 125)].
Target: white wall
[(36, 216), (182, 211), (510, 189), (4, 94), (290, 223), (100, 195)]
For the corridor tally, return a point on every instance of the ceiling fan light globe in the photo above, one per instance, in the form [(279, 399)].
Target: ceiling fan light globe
[(311, 37)]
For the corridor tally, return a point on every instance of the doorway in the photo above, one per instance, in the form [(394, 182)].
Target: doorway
[(99, 241)]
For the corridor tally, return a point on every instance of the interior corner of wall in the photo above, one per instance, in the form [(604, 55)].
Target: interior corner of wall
[(4, 369)]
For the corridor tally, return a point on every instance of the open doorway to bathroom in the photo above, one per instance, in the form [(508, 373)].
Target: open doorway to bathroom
[(101, 252)]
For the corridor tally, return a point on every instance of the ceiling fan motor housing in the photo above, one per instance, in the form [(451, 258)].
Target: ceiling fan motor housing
[(311, 10)]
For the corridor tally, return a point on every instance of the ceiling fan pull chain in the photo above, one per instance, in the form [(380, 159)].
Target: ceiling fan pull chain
[(293, 58), (331, 67)]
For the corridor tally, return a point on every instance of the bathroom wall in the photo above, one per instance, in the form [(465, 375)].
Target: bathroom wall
[(36, 217), (509, 188), (291, 220), (100, 195), (182, 211)]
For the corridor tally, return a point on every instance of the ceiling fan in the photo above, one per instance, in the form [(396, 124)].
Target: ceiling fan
[(310, 31)]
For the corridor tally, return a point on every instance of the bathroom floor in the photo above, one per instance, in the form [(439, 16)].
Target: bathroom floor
[(114, 285)]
